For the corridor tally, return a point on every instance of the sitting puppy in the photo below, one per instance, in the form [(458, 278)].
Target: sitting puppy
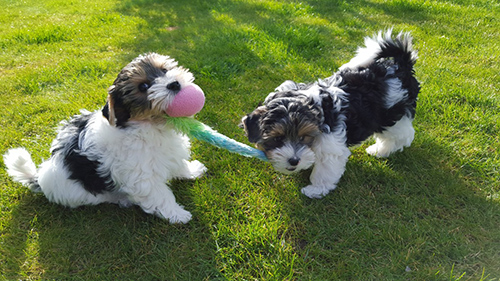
[(124, 153), (304, 124)]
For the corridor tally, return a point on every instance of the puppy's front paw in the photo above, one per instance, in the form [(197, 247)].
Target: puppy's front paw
[(195, 169), (175, 214), (317, 192)]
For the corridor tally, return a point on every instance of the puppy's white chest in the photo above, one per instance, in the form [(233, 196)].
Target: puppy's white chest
[(140, 148), (155, 145)]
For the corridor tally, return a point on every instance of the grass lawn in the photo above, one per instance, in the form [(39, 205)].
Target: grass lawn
[(431, 212)]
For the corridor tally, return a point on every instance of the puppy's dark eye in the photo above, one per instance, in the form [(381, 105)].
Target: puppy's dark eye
[(272, 143), (164, 70), (143, 87), (277, 141)]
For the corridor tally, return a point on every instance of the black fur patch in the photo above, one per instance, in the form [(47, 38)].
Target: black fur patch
[(366, 112), (80, 167), (251, 124)]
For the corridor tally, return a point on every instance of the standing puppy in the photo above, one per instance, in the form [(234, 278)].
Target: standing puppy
[(124, 153), (300, 125)]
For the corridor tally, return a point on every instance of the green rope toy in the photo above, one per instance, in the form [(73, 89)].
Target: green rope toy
[(195, 129)]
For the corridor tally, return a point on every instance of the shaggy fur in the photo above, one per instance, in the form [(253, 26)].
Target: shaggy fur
[(122, 154), (301, 125)]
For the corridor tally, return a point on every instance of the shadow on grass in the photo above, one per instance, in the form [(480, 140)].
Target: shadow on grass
[(409, 212), (102, 241)]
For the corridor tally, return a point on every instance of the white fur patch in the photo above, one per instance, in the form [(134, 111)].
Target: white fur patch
[(393, 139), (395, 92), (331, 157), (20, 166), (365, 55), (313, 92)]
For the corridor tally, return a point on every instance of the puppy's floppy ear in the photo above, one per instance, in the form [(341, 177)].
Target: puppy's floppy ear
[(251, 124), (108, 112), (115, 110), (324, 112)]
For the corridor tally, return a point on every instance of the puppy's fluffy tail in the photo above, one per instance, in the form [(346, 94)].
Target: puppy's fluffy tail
[(383, 45), (21, 168)]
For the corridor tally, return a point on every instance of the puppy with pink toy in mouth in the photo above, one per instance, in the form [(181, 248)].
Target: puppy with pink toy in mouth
[(187, 102), (125, 153)]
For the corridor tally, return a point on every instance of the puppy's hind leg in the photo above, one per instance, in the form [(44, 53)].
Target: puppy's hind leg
[(331, 158), (393, 139)]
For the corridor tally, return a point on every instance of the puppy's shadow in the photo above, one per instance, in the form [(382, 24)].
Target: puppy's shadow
[(105, 240), (382, 206)]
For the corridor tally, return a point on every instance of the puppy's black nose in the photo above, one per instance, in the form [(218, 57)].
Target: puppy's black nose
[(174, 86), (294, 161)]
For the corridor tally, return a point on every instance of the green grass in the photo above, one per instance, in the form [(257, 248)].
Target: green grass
[(431, 212)]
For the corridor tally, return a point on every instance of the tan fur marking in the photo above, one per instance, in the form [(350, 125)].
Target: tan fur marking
[(308, 129), (111, 111)]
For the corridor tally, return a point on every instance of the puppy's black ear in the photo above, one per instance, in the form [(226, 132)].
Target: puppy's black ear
[(251, 124), (327, 113), (105, 111), (115, 110)]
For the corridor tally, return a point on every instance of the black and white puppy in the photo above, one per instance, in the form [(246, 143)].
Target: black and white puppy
[(124, 153), (300, 125)]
